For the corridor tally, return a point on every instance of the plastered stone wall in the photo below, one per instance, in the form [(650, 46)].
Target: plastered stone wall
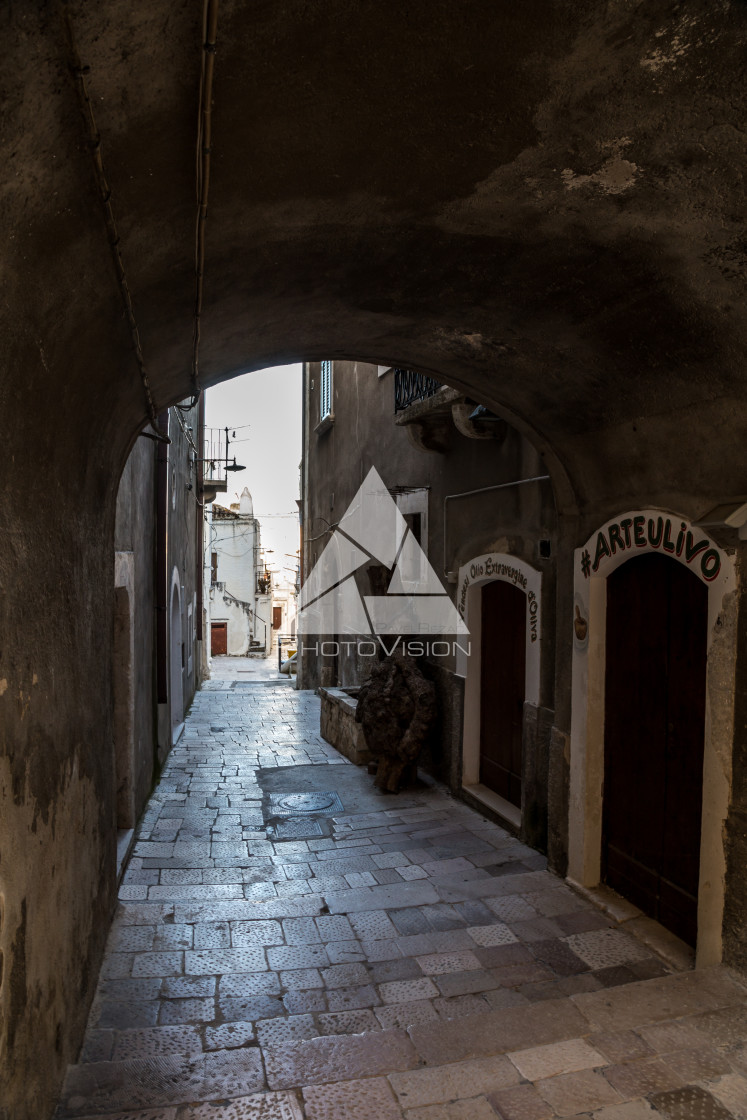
[(57, 804)]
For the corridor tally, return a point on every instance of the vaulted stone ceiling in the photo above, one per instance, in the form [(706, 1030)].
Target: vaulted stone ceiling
[(542, 202)]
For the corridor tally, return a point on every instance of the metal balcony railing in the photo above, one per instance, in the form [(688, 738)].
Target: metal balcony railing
[(410, 387), (215, 458)]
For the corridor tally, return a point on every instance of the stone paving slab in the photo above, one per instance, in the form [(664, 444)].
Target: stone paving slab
[(571, 1094), (368, 1099), (337, 1058), (669, 998), (498, 1031), (453, 1080), (260, 1106), (414, 962), (416, 893), (540, 1062)]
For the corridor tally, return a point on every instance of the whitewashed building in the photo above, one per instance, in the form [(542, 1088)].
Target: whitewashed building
[(240, 586), (284, 609)]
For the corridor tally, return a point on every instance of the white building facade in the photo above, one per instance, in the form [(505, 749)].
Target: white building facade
[(240, 588)]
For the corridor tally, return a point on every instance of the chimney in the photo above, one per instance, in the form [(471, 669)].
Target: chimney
[(246, 505)]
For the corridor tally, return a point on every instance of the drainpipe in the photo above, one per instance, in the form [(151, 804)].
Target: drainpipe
[(304, 511), (485, 490), (162, 522), (200, 517)]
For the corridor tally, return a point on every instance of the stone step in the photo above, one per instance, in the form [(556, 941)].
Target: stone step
[(680, 1019), (612, 1009)]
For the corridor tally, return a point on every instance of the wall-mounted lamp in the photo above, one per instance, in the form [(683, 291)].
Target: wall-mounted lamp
[(729, 515)]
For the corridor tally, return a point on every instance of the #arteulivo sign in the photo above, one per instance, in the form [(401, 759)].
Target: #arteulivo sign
[(651, 531), (635, 533)]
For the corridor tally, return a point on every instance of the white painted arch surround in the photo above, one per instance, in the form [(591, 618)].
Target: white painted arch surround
[(588, 700), (473, 576), (176, 669)]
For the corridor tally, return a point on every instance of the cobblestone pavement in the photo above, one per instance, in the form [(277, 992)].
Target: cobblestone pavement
[(228, 668), (389, 958)]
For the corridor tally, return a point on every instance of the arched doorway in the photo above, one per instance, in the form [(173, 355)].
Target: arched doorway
[(176, 655), (672, 646), (502, 688), (122, 689), (499, 599), (655, 690)]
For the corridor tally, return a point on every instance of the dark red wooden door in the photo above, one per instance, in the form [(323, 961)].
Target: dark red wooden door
[(218, 638), (657, 616), (277, 617), (502, 688)]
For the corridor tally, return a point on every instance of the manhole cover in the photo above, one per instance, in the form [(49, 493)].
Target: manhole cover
[(317, 804), (294, 828)]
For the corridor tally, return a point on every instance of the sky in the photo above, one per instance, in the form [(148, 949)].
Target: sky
[(264, 409)]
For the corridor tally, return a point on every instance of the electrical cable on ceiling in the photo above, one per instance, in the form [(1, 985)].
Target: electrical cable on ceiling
[(94, 143), (204, 139), (186, 433)]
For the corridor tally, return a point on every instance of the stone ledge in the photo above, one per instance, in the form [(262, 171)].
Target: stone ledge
[(338, 726)]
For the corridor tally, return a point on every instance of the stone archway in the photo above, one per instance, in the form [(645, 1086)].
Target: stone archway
[(491, 223)]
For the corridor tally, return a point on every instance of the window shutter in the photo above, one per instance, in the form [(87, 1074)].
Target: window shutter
[(325, 396)]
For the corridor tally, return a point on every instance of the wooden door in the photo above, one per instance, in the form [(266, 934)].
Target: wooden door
[(218, 638), (657, 616), (277, 617), (502, 688)]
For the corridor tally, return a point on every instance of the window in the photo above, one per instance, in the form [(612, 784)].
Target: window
[(415, 525), (415, 570), (325, 393)]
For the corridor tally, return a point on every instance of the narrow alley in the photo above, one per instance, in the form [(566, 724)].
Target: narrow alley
[(292, 943), (333, 329)]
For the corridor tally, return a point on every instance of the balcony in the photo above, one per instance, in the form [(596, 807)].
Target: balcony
[(215, 477), (411, 387), (422, 405), (430, 411)]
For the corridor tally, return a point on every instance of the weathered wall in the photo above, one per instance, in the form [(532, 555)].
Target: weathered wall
[(134, 535), (57, 808)]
